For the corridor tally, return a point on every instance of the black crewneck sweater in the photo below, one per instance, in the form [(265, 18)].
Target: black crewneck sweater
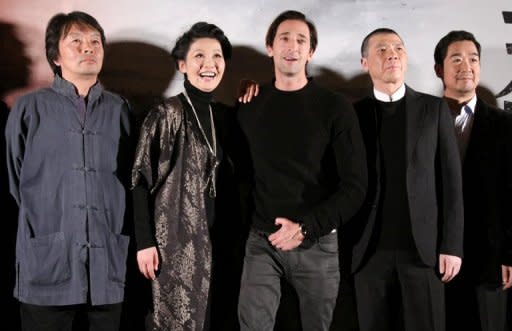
[(393, 214), (307, 156)]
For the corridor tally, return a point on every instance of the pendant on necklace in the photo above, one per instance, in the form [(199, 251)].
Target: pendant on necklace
[(212, 182)]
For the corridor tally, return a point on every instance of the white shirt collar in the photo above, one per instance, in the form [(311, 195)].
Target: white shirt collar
[(399, 94)]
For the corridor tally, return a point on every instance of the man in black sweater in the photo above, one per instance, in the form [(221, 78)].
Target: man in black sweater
[(309, 176)]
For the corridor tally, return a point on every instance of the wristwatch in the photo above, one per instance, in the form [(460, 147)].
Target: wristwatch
[(303, 229)]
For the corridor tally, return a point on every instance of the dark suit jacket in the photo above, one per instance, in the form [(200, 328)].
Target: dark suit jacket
[(487, 185), (433, 178)]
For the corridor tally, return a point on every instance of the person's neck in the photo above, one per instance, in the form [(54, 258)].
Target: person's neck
[(82, 84), (456, 101), (388, 88), (290, 83)]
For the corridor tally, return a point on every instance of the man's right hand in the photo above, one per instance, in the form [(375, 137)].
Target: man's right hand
[(147, 260), (288, 236), (506, 272)]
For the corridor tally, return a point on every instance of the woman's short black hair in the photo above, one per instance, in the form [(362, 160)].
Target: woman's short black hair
[(197, 31)]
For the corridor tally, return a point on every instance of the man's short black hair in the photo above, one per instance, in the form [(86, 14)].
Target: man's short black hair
[(364, 44), (296, 16), (453, 36), (59, 25)]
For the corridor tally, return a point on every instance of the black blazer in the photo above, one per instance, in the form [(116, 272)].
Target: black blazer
[(433, 178), (487, 185)]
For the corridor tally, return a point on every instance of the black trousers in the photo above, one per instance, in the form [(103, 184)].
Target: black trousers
[(476, 307), (313, 273), (64, 318), (395, 291)]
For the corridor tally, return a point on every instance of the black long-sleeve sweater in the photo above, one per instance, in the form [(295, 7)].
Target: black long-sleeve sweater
[(308, 158)]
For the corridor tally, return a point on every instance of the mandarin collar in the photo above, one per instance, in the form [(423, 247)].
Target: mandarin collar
[(384, 97), (66, 88)]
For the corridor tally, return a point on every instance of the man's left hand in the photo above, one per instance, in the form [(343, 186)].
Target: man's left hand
[(449, 266), (288, 236)]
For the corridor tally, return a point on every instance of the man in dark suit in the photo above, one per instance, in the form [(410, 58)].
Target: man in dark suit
[(477, 299), (412, 220)]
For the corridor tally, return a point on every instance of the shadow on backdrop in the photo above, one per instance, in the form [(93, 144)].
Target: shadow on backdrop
[(141, 73), (354, 89), (245, 63), (14, 62), (138, 71), (486, 95), (14, 73)]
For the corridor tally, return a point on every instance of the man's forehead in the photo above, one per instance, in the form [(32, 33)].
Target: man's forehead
[(460, 46), (79, 28), (293, 26), (385, 38)]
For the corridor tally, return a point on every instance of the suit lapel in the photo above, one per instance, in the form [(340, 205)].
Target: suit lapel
[(478, 139), (414, 114)]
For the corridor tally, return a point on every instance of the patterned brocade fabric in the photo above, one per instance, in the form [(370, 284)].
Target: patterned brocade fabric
[(172, 158)]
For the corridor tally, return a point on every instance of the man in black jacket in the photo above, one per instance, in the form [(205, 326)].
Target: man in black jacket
[(478, 297), (412, 220)]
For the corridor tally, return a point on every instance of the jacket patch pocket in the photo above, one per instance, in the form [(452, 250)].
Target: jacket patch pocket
[(47, 260), (117, 253)]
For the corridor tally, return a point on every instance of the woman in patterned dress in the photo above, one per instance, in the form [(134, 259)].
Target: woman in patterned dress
[(175, 187)]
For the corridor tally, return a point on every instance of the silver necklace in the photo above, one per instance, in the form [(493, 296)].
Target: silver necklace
[(212, 177)]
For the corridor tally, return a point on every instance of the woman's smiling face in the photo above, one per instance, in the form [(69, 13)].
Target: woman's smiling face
[(204, 64)]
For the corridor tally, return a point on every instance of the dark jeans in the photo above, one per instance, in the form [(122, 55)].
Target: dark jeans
[(313, 272), (61, 318)]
